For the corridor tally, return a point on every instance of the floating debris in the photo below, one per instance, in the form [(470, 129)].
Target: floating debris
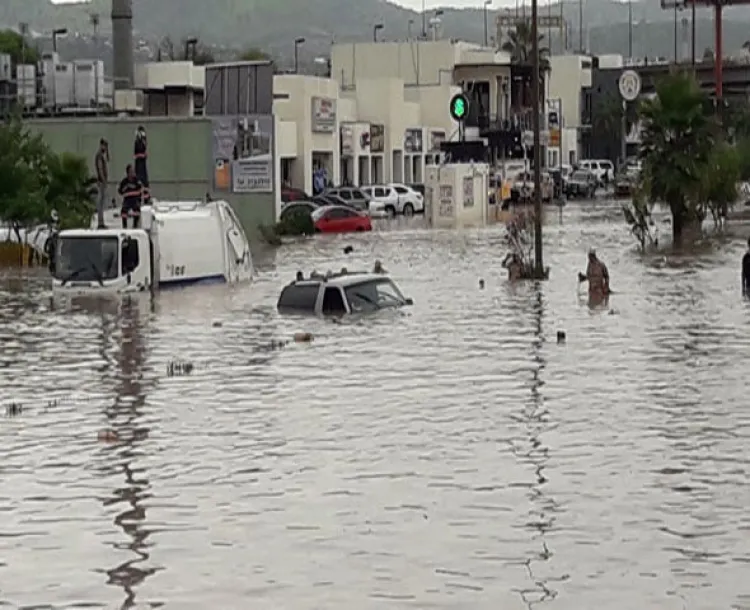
[(178, 369), (348, 250), (108, 436), (13, 409), (561, 336), (481, 284)]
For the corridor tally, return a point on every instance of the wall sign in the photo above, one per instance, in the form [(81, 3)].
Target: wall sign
[(347, 140), (323, 115)]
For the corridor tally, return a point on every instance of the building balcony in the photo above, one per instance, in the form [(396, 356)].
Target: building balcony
[(516, 121)]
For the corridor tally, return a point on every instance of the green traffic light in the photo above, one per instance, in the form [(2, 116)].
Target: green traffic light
[(459, 107)]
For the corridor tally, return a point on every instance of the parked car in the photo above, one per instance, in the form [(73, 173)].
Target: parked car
[(340, 219), (340, 294), (624, 185), (292, 194), (603, 169), (326, 200), (351, 196), (396, 198), (581, 184), (294, 208)]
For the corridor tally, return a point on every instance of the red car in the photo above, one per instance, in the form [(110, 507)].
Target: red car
[(291, 194), (340, 219)]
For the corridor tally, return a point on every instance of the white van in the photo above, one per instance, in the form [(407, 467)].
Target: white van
[(178, 244), (603, 169)]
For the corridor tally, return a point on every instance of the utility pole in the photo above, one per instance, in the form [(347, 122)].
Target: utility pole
[(94, 20), (538, 260)]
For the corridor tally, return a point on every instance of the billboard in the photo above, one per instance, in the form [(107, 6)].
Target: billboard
[(242, 153)]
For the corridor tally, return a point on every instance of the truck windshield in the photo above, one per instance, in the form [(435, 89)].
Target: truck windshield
[(373, 294), (87, 259)]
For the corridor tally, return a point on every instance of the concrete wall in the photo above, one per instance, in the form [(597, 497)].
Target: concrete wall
[(180, 164)]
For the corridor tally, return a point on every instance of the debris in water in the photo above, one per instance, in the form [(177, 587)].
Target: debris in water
[(561, 337), (13, 409), (303, 337), (481, 284), (348, 250), (177, 368), (108, 436)]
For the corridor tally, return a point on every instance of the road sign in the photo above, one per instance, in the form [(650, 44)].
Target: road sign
[(630, 85), (459, 107)]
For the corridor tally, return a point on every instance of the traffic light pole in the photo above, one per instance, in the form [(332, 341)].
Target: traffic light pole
[(538, 259)]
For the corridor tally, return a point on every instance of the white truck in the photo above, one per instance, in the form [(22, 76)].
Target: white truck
[(177, 244)]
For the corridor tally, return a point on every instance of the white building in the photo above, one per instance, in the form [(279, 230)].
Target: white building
[(567, 85)]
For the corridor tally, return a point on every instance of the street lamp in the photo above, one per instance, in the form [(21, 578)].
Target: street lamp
[(375, 29), (487, 4), (297, 43), (55, 33), (409, 25)]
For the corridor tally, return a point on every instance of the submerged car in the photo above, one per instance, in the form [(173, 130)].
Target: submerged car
[(340, 219), (581, 184), (340, 294)]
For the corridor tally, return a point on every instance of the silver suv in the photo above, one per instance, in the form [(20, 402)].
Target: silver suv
[(351, 196)]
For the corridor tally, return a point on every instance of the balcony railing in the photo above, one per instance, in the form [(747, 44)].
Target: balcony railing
[(516, 120)]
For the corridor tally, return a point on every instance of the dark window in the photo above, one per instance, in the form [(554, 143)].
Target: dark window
[(379, 192), (130, 257), (333, 302), (401, 190), (296, 210), (344, 195), (357, 194), (299, 298), (337, 213)]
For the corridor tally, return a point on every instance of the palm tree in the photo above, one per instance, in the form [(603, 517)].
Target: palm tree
[(520, 46), (677, 146)]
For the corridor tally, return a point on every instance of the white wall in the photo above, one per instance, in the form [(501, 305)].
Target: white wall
[(297, 107)]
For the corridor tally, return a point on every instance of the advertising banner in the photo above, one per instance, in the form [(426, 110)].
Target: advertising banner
[(377, 138), (243, 154)]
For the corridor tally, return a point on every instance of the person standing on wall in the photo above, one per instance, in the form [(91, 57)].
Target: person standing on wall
[(140, 157), (101, 162), (131, 191)]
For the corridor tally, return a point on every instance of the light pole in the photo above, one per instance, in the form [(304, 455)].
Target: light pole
[(630, 29), (424, 19), (94, 20), (538, 260), (375, 29), (23, 28), (409, 26), (297, 43), (487, 4), (55, 33)]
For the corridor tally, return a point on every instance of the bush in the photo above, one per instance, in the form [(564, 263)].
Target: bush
[(37, 185)]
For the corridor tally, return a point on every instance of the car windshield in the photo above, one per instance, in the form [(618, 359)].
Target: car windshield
[(87, 259), (372, 295)]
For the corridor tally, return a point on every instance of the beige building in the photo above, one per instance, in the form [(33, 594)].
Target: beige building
[(569, 79)]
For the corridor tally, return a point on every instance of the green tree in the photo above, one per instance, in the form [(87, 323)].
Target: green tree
[(718, 185), (19, 49), (253, 54), (677, 142), (36, 183), (520, 46)]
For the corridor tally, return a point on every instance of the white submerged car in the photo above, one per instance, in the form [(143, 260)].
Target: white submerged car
[(178, 244), (396, 198)]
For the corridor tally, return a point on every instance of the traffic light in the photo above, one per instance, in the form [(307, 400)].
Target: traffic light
[(459, 107)]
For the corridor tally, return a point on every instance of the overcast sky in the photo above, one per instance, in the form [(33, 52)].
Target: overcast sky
[(417, 4)]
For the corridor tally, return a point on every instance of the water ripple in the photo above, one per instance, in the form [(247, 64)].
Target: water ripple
[(452, 456)]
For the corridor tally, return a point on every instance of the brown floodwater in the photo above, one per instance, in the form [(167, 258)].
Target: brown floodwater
[(450, 456)]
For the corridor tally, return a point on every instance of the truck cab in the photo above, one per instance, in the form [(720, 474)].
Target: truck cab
[(178, 243), (108, 260)]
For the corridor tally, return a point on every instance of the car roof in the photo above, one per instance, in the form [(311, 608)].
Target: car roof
[(343, 280)]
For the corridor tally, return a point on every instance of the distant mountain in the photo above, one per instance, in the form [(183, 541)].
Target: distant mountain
[(273, 25)]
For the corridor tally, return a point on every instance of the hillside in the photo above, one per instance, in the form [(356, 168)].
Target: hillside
[(274, 24)]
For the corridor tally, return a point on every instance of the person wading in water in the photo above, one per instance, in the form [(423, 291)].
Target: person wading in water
[(598, 278)]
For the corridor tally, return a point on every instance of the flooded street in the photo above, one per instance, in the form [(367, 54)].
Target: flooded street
[(452, 456)]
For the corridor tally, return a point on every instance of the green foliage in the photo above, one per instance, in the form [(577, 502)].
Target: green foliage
[(253, 54), (20, 50), (678, 139), (638, 216), (718, 188), (293, 225), (197, 52), (743, 157), (36, 183), (520, 45)]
